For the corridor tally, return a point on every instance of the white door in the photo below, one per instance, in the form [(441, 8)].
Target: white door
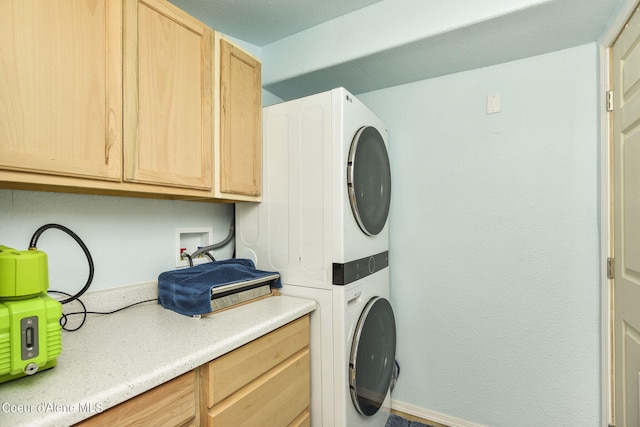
[(625, 63)]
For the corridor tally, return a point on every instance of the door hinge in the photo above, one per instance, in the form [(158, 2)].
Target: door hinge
[(610, 274), (609, 100)]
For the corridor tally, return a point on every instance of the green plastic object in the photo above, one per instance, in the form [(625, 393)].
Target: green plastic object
[(30, 336), (23, 274)]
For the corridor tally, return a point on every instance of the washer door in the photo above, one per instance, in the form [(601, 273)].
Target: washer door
[(369, 180), (373, 354)]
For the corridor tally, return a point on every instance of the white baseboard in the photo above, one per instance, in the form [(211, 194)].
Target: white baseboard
[(431, 415)]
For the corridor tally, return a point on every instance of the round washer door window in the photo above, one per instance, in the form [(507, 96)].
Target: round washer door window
[(373, 353), (369, 180)]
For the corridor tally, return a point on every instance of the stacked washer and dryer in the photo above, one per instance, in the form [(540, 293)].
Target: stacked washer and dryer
[(323, 226)]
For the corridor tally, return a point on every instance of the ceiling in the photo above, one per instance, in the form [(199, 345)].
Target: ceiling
[(261, 22), (282, 29)]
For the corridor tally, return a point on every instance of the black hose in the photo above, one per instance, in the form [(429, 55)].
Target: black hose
[(34, 241)]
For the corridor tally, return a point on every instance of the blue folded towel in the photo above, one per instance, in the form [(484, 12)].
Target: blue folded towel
[(188, 291)]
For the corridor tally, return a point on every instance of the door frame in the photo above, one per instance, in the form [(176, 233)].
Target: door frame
[(605, 42)]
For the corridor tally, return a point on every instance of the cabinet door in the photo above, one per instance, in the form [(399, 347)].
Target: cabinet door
[(168, 96), (60, 80), (240, 122), (170, 404)]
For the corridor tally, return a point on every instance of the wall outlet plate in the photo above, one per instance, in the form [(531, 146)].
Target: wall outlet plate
[(191, 239), (493, 103)]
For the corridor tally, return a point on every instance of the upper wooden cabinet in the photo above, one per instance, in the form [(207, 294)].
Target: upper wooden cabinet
[(168, 87), (239, 139), (130, 97), (60, 87)]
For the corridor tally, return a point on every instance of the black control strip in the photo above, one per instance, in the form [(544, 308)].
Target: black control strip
[(343, 274)]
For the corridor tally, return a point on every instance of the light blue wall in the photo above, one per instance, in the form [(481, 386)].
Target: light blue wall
[(131, 240), (269, 98), (495, 242)]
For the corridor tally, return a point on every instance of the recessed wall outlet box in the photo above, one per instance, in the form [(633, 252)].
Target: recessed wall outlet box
[(189, 240)]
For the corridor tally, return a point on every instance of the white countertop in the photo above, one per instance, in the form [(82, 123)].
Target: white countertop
[(115, 357)]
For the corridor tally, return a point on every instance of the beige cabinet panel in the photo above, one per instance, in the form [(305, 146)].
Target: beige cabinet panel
[(234, 370), (266, 381), (168, 96), (239, 171), (60, 87), (170, 404), (279, 396)]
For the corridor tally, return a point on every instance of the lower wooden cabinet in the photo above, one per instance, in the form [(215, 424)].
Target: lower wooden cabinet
[(277, 398), (266, 382), (170, 404)]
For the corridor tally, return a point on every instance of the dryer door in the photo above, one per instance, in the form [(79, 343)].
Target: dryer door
[(373, 353), (369, 180)]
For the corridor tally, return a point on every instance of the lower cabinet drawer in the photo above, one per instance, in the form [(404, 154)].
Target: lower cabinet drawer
[(303, 420), (236, 369), (170, 404), (280, 397)]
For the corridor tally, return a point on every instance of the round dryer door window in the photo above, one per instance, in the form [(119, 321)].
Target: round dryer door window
[(373, 353), (369, 180)]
